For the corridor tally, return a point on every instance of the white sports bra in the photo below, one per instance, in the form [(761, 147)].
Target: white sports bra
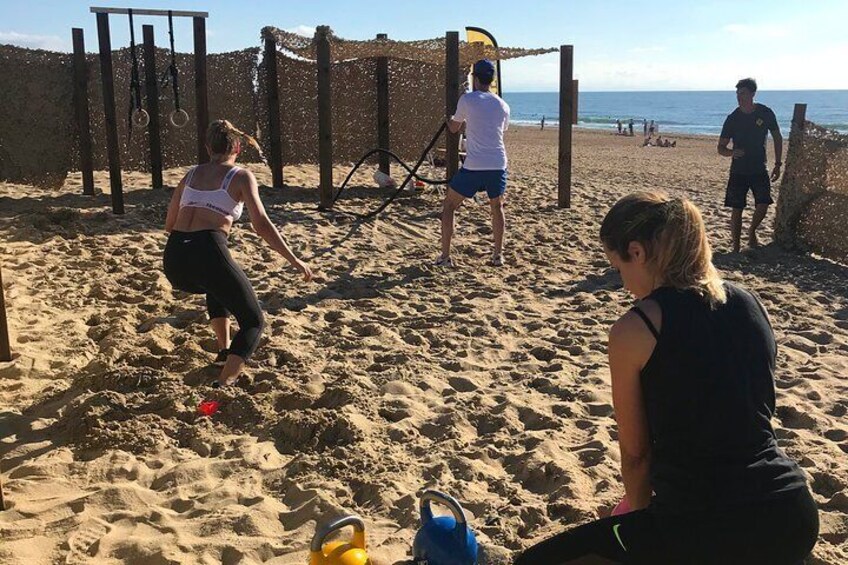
[(218, 200)]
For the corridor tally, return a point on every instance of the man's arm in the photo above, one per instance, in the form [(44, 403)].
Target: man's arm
[(777, 138), (456, 123), (456, 126)]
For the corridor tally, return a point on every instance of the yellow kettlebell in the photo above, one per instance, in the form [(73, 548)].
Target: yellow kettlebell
[(339, 552)]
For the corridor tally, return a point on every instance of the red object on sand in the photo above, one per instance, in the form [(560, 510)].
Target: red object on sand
[(622, 507), (208, 407)]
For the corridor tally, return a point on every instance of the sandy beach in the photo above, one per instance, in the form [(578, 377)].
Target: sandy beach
[(382, 377)]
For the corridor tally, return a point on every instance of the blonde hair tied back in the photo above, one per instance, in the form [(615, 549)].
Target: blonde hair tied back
[(675, 240), (222, 137)]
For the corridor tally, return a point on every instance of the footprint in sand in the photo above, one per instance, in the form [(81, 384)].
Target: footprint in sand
[(84, 543)]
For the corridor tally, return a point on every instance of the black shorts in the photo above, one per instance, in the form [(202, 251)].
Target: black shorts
[(739, 184)]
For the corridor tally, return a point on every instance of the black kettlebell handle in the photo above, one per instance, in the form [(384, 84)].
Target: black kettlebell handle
[(431, 495), (325, 530)]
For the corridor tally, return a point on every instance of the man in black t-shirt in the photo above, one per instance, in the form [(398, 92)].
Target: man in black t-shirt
[(748, 127)]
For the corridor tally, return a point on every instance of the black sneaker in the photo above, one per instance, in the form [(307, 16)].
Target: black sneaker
[(221, 358)]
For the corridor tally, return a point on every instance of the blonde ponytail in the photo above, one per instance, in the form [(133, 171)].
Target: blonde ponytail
[(675, 240), (222, 135)]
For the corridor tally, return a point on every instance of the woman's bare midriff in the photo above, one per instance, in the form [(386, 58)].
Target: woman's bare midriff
[(197, 219)]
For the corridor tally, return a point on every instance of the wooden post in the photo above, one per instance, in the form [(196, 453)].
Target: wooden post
[(5, 351), (566, 114), (151, 87), (107, 78), (274, 129), (200, 92), (451, 99), (325, 118), (383, 140), (574, 93), (82, 113), (799, 116)]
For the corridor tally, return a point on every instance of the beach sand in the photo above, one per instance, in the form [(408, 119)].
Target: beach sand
[(382, 377)]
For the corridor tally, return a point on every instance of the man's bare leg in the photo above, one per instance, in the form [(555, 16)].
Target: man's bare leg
[(760, 211), (453, 200), (736, 228), (498, 223)]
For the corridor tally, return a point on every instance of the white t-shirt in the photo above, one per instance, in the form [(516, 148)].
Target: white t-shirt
[(487, 117)]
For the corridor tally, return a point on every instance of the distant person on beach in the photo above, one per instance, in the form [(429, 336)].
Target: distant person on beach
[(618, 125), (651, 128), (645, 128), (484, 116), (630, 126), (202, 210), (692, 366), (543, 123), (747, 127)]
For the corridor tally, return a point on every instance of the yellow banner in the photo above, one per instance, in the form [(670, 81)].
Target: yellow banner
[(476, 34)]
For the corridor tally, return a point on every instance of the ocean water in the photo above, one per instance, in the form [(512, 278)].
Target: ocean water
[(678, 112)]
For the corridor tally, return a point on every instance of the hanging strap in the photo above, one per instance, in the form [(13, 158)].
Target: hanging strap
[(171, 74), (647, 321)]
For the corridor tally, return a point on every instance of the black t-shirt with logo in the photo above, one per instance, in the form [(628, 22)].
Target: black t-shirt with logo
[(748, 132)]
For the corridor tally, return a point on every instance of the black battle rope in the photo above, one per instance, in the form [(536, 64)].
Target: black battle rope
[(411, 173), (135, 84), (171, 74)]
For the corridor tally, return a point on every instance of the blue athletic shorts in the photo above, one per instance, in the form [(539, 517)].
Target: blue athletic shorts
[(468, 183)]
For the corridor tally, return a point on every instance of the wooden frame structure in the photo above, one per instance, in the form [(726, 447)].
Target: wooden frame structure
[(567, 113), (107, 79)]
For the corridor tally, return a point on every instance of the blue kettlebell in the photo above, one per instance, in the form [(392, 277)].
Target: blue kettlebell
[(443, 540)]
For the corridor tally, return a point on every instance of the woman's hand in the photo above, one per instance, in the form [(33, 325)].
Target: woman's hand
[(303, 268)]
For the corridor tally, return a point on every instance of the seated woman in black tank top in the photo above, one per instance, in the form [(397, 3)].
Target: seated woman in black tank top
[(201, 213), (692, 368)]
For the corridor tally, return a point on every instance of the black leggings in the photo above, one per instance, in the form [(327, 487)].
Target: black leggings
[(200, 263), (776, 532)]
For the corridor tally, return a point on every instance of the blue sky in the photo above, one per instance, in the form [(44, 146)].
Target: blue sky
[(632, 45)]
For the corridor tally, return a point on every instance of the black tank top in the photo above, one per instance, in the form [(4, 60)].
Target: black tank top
[(708, 389)]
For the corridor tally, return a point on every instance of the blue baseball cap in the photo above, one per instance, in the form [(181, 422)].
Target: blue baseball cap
[(484, 68)]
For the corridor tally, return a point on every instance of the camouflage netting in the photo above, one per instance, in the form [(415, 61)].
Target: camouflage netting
[(36, 116), (416, 107), (230, 78), (431, 51), (812, 209)]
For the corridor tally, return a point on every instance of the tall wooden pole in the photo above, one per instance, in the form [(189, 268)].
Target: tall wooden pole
[(383, 140), (325, 118), (151, 87), (274, 129), (5, 350), (566, 116), (200, 91), (451, 99), (82, 111), (107, 78)]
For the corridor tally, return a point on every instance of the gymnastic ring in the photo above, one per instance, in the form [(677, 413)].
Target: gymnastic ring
[(140, 118), (179, 118)]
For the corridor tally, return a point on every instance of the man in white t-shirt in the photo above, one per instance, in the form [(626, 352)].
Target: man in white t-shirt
[(484, 116)]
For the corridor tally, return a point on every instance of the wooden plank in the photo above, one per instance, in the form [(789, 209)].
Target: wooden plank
[(200, 91), (112, 148), (5, 350), (566, 114), (574, 93), (799, 117), (325, 119), (451, 99), (81, 105), (146, 12), (151, 86), (274, 127), (383, 139)]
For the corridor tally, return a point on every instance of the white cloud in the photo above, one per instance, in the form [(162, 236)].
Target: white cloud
[(304, 30), (756, 32), (49, 42)]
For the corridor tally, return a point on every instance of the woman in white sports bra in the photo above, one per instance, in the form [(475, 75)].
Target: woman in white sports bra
[(202, 210)]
